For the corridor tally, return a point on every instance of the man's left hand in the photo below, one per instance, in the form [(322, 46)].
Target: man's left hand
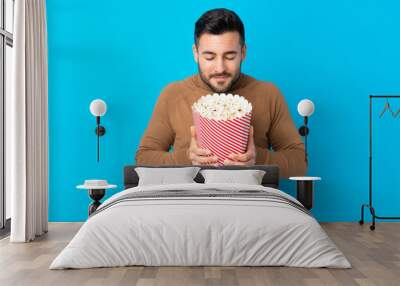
[(246, 159)]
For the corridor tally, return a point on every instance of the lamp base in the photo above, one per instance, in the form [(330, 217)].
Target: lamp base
[(303, 130), (100, 130)]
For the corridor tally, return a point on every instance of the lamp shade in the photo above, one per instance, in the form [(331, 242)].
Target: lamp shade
[(305, 107), (98, 107)]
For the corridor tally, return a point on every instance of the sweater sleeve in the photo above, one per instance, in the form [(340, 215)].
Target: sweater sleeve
[(159, 137), (288, 149)]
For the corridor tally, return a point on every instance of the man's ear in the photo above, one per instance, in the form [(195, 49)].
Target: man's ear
[(195, 53), (244, 52)]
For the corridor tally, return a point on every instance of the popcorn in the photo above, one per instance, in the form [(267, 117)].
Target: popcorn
[(222, 122), (222, 106)]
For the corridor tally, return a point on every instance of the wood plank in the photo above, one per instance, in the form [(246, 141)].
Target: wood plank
[(375, 257)]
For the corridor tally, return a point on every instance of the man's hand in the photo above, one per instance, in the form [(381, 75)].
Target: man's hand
[(197, 155), (246, 159)]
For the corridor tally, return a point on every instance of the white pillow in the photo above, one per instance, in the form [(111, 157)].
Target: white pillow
[(248, 177), (164, 176)]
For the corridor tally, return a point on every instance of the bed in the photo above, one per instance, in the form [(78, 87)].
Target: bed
[(201, 224)]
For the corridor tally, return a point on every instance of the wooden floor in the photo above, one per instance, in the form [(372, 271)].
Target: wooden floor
[(375, 257)]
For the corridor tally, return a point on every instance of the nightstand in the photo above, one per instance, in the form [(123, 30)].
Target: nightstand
[(305, 190), (97, 190)]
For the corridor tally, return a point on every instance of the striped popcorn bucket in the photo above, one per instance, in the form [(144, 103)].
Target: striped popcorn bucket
[(222, 137)]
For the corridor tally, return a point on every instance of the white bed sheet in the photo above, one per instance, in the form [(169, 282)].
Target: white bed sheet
[(200, 231)]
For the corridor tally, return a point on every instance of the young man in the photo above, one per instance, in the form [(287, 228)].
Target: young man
[(219, 50)]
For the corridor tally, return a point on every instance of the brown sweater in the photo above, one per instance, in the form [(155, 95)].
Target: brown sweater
[(273, 125)]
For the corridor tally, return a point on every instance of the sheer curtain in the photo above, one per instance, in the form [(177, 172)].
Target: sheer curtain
[(27, 124)]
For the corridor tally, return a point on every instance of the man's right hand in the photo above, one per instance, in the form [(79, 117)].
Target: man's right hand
[(197, 155)]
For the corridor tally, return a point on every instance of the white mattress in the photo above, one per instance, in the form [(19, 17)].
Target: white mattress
[(193, 231)]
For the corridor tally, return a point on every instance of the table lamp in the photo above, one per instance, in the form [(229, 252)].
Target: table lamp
[(305, 109), (98, 108)]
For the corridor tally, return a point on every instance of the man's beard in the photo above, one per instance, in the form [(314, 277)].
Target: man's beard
[(216, 89)]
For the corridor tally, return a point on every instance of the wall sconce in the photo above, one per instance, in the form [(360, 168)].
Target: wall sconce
[(98, 108), (305, 109)]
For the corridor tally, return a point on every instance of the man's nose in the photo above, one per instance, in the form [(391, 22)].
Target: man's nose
[(220, 66)]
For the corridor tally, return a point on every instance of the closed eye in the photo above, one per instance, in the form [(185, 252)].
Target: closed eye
[(208, 56)]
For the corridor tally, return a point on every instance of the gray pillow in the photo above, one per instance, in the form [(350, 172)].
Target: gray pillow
[(248, 177), (163, 176)]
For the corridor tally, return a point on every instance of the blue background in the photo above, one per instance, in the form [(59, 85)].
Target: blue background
[(336, 53)]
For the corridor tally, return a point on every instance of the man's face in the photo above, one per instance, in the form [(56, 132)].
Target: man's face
[(219, 59)]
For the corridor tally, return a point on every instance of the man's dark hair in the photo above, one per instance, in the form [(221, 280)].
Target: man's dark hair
[(218, 21)]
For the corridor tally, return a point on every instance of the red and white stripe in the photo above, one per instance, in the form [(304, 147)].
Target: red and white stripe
[(223, 137)]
